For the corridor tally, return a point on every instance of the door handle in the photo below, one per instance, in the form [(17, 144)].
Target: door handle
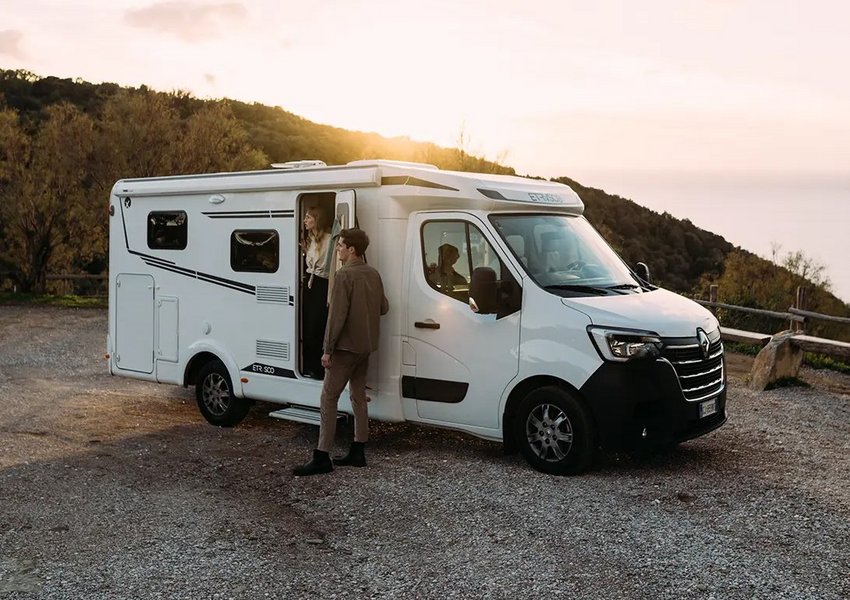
[(429, 324)]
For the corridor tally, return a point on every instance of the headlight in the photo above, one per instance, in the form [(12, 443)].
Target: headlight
[(621, 345)]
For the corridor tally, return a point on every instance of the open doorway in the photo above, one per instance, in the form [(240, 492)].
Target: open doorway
[(316, 213)]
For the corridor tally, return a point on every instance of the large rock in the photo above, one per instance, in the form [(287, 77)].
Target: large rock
[(778, 360)]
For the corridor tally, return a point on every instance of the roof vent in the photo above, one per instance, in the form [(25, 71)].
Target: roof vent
[(299, 164), (372, 162)]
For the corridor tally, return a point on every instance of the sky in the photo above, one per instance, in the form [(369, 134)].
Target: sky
[(591, 90)]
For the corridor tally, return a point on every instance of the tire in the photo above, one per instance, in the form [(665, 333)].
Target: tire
[(554, 432), (214, 392)]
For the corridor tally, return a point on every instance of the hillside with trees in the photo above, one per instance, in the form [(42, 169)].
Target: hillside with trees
[(64, 142)]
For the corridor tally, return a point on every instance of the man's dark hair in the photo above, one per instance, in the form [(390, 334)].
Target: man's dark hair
[(355, 238)]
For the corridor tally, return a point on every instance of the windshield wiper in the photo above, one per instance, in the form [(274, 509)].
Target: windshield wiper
[(623, 286), (589, 289)]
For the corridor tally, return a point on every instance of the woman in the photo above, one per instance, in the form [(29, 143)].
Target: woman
[(314, 314)]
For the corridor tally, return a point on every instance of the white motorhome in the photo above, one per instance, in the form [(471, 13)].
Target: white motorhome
[(542, 338)]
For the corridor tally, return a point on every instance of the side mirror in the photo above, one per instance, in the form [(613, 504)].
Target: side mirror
[(483, 291), (642, 271)]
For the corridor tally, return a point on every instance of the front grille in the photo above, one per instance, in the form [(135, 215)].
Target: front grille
[(699, 377)]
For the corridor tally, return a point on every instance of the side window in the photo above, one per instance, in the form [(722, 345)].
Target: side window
[(451, 251), (167, 230), (255, 250)]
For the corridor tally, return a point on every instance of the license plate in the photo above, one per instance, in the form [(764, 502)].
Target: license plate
[(707, 408)]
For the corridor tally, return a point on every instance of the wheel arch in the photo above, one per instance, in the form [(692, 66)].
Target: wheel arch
[(520, 391), (194, 366), (204, 351)]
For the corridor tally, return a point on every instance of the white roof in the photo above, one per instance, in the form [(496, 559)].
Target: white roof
[(486, 190)]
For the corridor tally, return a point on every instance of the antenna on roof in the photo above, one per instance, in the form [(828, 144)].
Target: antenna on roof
[(299, 164)]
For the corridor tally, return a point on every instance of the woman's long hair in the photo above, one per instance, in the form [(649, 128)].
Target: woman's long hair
[(323, 226)]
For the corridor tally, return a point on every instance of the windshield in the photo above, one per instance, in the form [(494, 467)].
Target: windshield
[(564, 254)]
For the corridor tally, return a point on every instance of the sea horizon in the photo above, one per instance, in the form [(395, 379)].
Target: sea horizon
[(809, 212)]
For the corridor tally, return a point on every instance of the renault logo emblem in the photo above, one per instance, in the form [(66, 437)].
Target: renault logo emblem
[(704, 342)]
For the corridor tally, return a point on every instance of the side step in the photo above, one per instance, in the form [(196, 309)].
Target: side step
[(301, 414)]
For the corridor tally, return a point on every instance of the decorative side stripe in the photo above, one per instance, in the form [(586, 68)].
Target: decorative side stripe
[(245, 286), (149, 257), (251, 214), (492, 194), (220, 281), (414, 181), (207, 279)]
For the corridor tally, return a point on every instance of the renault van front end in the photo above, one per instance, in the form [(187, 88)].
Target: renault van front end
[(606, 359)]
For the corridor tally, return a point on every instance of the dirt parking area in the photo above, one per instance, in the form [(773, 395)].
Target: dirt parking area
[(113, 488)]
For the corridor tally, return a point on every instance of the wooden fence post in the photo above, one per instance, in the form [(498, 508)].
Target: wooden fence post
[(712, 297), (799, 304)]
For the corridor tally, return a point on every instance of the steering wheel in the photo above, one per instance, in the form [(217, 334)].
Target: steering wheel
[(576, 265)]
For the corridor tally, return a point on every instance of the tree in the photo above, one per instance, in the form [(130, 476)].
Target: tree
[(137, 137), (44, 202), (798, 263), (14, 151), (215, 141)]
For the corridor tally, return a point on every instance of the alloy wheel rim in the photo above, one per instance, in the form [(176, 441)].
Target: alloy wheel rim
[(549, 432), (216, 394)]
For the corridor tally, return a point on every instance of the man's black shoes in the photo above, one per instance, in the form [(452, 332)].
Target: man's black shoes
[(321, 463), (354, 458)]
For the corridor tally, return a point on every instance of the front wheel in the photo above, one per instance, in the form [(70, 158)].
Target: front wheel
[(554, 432), (216, 401)]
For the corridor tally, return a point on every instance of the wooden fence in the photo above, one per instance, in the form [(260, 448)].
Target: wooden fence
[(797, 315), (63, 284), (797, 318), (83, 284)]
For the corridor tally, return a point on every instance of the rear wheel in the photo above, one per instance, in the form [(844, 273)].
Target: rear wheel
[(214, 392), (554, 432)]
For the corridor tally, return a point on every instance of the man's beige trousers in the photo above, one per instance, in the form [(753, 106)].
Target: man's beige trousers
[(345, 367)]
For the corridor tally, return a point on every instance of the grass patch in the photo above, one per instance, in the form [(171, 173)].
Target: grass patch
[(786, 382), (821, 361), (741, 348), (815, 361), (70, 301)]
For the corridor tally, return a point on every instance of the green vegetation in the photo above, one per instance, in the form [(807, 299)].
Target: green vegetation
[(748, 280), (815, 361), (68, 301), (739, 348), (820, 361), (64, 142)]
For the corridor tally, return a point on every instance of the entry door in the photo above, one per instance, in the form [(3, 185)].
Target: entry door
[(462, 361), (134, 317)]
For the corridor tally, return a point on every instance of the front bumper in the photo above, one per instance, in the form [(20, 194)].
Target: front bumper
[(641, 404)]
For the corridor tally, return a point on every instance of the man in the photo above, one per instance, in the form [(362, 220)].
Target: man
[(356, 305)]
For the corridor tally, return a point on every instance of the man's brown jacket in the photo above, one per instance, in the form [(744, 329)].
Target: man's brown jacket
[(356, 305)]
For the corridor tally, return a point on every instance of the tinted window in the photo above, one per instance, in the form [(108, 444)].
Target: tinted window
[(560, 252), (452, 250), (167, 230), (256, 251)]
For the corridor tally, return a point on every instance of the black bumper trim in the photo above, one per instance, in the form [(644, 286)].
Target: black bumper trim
[(627, 398)]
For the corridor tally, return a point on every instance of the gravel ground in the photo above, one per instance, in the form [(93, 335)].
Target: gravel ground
[(112, 488)]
